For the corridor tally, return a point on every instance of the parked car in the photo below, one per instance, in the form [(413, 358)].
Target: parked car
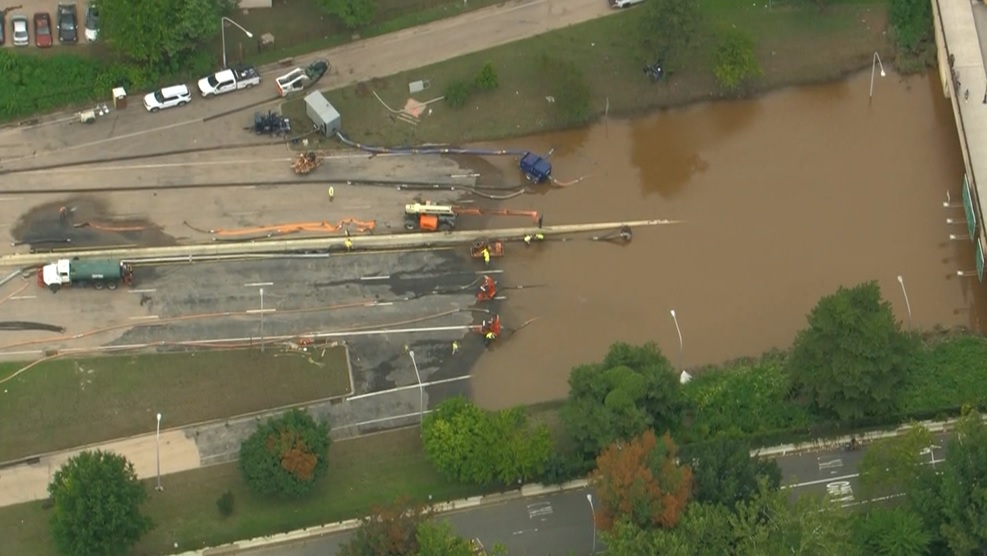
[(241, 77), (3, 25), (176, 95), (92, 22), (18, 24), (624, 3), (42, 30), (68, 23)]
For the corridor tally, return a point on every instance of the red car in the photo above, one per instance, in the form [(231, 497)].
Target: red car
[(42, 30)]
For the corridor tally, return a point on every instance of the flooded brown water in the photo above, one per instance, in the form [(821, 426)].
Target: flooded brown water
[(784, 198)]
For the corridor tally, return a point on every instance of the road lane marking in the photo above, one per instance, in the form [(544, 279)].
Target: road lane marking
[(255, 311), (11, 198), (379, 304), (409, 387), (539, 509), (515, 533), (375, 277), (840, 491), (258, 284), (822, 481), (489, 272), (24, 297), (148, 317), (141, 291), (829, 463)]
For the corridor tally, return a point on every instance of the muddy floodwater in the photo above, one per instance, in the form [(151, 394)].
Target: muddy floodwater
[(782, 200)]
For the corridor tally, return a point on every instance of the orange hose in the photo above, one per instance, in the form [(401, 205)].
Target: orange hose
[(362, 226)]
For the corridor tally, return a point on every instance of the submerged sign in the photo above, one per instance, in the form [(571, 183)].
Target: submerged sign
[(971, 215)]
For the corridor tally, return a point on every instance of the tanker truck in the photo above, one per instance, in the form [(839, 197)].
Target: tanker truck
[(75, 272)]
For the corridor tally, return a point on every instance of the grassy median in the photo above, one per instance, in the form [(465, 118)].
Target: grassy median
[(796, 44), (362, 472), (65, 403)]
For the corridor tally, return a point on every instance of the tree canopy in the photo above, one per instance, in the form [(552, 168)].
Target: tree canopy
[(97, 505), (962, 491), (723, 471), (160, 33), (669, 27), (853, 358), (286, 455), (641, 482), (390, 529), (469, 444), (633, 389), (705, 530), (353, 13), (897, 531)]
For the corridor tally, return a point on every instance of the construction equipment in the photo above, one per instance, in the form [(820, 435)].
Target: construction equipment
[(536, 168), (490, 329), (494, 248), (271, 123), (306, 162), (73, 272), (429, 217), (488, 290)]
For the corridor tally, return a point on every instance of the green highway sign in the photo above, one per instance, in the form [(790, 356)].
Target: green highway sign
[(971, 215)]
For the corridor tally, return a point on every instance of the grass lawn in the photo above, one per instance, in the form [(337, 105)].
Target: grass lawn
[(796, 43), (300, 26), (53, 405), (362, 472)]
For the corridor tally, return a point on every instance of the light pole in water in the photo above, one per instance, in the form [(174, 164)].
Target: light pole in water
[(908, 305), (876, 62), (675, 319), (157, 449)]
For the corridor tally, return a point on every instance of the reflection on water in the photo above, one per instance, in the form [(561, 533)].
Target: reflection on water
[(783, 199)]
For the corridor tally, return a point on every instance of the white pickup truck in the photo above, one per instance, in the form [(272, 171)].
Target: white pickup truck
[(243, 77)]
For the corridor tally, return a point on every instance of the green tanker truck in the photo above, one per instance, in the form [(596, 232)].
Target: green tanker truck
[(74, 272)]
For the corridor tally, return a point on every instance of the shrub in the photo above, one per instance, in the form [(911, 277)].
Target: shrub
[(458, 94), (225, 504), (33, 84), (911, 30), (487, 79), (286, 455), (735, 59)]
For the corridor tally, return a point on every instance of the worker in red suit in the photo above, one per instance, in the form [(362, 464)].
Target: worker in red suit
[(488, 289)]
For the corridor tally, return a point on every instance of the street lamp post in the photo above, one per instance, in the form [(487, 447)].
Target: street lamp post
[(675, 319), (262, 320), (157, 449), (592, 512), (908, 305), (876, 62), (421, 389), (222, 28)]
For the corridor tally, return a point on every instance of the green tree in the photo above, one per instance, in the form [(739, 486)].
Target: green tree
[(97, 505), (633, 389), (962, 490), (911, 25), (723, 471), (893, 532), (669, 28), (769, 525), (487, 79), (286, 455), (353, 13), (892, 465), (853, 359), (704, 530), (160, 33), (640, 481), (736, 62), (435, 538), (390, 530), (472, 445), (568, 89)]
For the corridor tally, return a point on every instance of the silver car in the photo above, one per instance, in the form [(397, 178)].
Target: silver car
[(18, 23)]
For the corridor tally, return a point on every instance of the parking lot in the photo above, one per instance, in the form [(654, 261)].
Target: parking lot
[(28, 8)]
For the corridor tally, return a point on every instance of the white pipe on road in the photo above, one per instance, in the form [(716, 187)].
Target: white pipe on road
[(393, 241)]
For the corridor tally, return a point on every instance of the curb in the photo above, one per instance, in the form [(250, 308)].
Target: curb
[(536, 489), (525, 491)]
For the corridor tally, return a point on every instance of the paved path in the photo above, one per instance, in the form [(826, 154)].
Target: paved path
[(133, 130)]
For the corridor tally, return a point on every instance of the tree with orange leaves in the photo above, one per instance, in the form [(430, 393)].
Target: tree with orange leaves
[(639, 481), (286, 455)]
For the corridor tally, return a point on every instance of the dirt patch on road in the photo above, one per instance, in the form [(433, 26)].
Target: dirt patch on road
[(84, 222)]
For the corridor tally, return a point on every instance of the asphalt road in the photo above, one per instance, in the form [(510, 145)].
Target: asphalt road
[(561, 524)]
